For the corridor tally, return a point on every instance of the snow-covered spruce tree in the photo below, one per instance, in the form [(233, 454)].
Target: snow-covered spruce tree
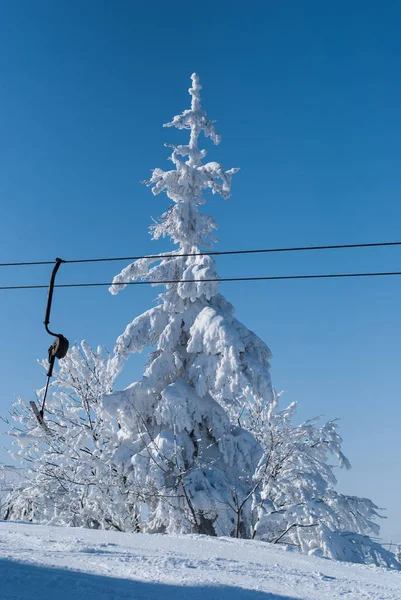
[(68, 475), (294, 498), (201, 431), (178, 419)]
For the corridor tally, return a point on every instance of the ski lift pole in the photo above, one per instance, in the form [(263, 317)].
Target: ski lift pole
[(58, 349)]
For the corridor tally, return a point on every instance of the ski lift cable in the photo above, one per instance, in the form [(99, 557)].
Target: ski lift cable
[(211, 253), (208, 280), (59, 348)]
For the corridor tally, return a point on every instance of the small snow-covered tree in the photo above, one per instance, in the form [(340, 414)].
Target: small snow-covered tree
[(69, 477), (294, 500), (177, 419)]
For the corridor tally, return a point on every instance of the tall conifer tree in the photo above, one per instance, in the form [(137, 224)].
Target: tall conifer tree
[(178, 419)]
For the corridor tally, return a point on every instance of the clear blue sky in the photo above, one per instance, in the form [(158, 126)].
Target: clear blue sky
[(307, 95)]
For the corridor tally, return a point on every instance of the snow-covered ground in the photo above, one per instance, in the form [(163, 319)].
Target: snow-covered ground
[(43, 563)]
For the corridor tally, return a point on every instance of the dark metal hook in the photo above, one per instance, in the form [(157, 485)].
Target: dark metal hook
[(50, 295), (58, 349)]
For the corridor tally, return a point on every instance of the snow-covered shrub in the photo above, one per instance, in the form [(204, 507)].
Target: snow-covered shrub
[(69, 477), (295, 501), (350, 547)]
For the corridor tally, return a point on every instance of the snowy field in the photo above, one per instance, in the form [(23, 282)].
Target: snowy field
[(45, 563)]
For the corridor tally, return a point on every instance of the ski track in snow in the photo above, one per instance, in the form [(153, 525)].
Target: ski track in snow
[(45, 563)]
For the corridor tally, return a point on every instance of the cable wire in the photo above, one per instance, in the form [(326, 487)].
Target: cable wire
[(211, 253), (216, 279)]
